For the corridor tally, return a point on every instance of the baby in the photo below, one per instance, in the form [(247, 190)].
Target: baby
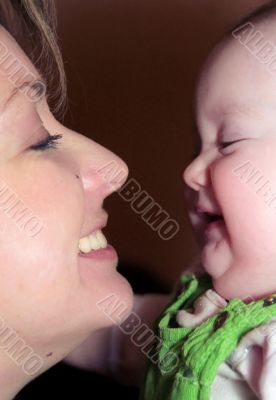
[(220, 326), (216, 339)]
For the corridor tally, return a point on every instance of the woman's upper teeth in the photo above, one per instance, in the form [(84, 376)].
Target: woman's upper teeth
[(94, 241)]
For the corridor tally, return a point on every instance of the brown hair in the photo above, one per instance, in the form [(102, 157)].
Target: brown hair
[(33, 24)]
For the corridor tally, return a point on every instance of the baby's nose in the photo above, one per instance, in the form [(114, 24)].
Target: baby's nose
[(195, 175)]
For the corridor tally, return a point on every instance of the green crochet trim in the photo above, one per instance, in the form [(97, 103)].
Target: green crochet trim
[(201, 350)]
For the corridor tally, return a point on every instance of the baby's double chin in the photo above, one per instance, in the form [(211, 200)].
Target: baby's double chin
[(228, 290)]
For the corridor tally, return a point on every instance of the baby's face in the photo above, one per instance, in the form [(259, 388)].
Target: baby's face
[(236, 103)]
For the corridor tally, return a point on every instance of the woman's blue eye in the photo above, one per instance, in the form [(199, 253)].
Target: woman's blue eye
[(50, 143)]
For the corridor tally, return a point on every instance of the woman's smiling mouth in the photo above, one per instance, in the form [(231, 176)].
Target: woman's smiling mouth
[(94, 241), (95, 246)]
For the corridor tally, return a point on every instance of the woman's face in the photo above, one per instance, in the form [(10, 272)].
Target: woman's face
[(48, 291)]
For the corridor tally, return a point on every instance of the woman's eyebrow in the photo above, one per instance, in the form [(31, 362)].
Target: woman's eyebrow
[(37, 85)]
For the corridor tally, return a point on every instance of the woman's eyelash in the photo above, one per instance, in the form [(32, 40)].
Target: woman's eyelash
[(50, 142)]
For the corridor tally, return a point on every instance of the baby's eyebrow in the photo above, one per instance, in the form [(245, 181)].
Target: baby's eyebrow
[(237, 108)]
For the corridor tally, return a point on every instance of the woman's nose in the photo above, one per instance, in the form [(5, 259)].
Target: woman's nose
[(99, 168), (112, 170), (195, 174)]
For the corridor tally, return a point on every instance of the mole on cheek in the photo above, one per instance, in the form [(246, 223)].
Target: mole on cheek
[(49, 354)]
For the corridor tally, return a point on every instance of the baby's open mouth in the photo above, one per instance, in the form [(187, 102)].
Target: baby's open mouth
[(210, 217)]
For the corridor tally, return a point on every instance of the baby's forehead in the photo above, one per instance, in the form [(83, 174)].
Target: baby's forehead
[(255, 38), (233, 73)]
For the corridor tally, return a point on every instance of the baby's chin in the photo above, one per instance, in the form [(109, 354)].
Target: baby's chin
[(216, 258), (229, 291), (239, 290)]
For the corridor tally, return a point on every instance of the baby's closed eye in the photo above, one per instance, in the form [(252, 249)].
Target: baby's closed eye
[(226, 144)]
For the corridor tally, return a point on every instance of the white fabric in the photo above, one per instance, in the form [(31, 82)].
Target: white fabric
[(210, 303), (258, 366), (229, 385)]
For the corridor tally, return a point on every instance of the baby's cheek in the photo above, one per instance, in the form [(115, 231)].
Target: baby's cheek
[(242, 196), (231, 189)]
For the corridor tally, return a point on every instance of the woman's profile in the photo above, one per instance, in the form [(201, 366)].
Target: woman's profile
[(56, 264)]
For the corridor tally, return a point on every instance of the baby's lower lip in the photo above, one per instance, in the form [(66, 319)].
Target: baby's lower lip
[(213, 225)]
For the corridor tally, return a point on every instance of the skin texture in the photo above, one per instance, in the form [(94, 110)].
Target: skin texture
[(236, 101), (46, 296)]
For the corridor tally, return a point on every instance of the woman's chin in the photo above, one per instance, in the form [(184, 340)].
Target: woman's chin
[(115, 301)]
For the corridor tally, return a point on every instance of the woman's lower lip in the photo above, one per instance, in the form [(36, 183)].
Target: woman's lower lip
[(108, 253)]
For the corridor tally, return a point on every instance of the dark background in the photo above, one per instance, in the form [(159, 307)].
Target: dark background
[(131, 67)]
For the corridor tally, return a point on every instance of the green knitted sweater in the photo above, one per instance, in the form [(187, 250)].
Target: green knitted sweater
[(183, 362)]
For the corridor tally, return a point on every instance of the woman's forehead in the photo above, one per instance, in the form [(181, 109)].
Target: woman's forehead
[(16, 69)]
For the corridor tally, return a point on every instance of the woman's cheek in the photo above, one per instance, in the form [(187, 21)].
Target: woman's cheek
[(36, 248)]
